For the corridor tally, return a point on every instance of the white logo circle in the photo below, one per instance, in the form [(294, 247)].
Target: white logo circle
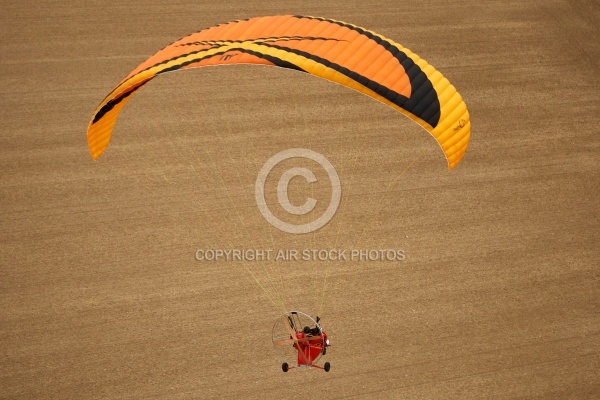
[(282, 193)]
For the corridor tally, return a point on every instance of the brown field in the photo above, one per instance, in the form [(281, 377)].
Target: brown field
[(100, 293)]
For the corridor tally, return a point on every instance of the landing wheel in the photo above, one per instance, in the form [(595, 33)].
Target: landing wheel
[(327, 366), (285, 367)]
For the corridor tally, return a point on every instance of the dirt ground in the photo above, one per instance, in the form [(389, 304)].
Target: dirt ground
[(100, 292)]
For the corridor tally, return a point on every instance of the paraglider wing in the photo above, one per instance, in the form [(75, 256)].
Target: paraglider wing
[(333, 50)]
